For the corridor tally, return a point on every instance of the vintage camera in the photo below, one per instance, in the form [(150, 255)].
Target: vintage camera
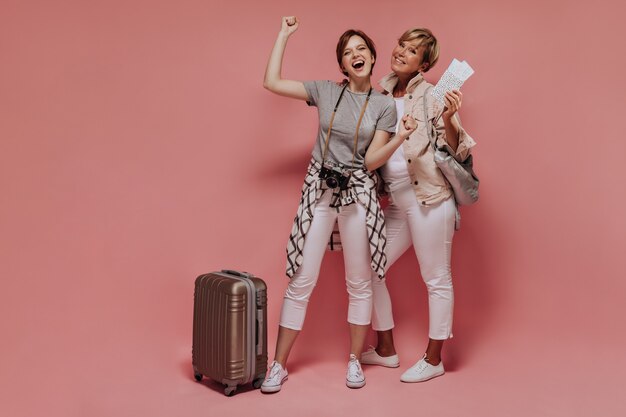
[(334, 177)]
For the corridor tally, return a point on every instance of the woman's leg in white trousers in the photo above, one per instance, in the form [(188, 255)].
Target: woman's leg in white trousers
[(302, 283), (398, 241), (430, 229), (432, 239), (357, 260)]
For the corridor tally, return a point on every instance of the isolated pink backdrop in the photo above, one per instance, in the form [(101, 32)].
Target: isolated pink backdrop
[(138, 149)]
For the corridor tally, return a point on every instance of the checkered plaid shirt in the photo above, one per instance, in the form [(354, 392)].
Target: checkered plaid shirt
[(362, 190)]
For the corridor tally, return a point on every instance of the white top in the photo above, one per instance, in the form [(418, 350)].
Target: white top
[(395, 170)]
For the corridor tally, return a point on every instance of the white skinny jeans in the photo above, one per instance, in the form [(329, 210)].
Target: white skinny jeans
[(356, 255), (430, 230)]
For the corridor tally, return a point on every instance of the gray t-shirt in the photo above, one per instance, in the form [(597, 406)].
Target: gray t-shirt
[(379, 115)]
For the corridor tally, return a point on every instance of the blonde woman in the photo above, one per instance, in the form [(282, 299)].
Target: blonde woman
[(422, 209)]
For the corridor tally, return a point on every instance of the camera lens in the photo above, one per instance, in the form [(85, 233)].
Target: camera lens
[(332, 182)]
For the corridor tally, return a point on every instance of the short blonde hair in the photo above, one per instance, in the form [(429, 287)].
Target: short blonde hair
[(427, 42)]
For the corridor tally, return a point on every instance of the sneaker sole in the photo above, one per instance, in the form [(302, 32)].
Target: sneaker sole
[(423, 380), (270, 390), (354, 385)]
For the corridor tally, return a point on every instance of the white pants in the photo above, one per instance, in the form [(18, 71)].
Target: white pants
[(430, 230), (357, 259)]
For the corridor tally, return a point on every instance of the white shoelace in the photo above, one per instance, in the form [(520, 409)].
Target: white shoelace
[(421, 366), (354, 370), (275, 374)]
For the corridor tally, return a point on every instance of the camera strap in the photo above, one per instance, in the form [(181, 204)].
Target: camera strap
[(358, 124)]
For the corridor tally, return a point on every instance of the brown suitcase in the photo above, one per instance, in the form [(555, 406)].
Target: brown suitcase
[(230, 329)]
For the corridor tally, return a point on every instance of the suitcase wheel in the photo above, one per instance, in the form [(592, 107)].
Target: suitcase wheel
[(257, 382), (230, 391), (198, 376)]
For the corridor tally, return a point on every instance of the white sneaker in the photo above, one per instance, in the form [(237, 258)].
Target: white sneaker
[(276, 376), (422, 371), (354, 376), (371, 357)]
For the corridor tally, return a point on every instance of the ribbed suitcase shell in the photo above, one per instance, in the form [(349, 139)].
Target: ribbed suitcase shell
[(230, 329)]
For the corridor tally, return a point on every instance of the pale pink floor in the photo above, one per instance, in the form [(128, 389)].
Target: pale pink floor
[(141, 366)]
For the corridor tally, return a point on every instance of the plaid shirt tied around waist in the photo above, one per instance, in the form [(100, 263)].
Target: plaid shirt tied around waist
[(361, 190)]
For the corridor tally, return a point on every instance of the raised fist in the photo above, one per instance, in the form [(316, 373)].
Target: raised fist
[(289, 25)]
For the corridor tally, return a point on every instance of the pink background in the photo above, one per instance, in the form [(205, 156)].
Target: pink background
[(138, 149)]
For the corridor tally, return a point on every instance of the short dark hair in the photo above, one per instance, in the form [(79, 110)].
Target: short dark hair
[(343, 41)]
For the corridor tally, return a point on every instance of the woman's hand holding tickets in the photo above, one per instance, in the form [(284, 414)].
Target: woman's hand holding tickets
[(453, 100)]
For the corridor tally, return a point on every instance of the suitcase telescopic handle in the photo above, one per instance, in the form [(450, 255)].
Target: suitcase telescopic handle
[(237, 273)]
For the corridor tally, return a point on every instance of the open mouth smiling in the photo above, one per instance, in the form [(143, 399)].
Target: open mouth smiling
[(358, 64)]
